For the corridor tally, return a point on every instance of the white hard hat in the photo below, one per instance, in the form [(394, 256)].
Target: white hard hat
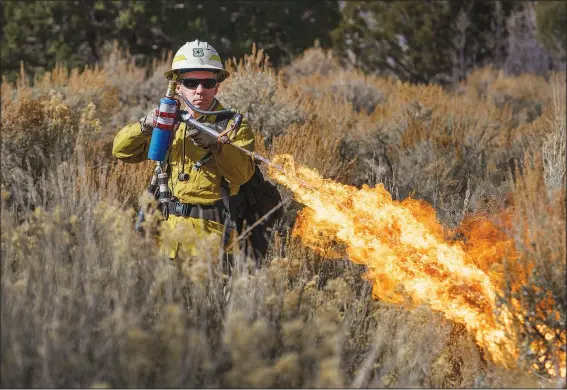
[(196, 55)]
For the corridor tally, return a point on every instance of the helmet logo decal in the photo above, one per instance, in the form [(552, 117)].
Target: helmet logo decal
[(198, 52)]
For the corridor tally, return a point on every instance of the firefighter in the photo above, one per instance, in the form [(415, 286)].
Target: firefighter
[(197, 162)]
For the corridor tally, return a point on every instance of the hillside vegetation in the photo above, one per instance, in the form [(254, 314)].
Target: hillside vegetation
[(87, 301)]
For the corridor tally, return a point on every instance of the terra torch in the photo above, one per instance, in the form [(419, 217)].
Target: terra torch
[(168, 116)]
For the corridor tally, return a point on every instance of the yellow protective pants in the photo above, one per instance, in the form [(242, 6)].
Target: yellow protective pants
[(191, 235)]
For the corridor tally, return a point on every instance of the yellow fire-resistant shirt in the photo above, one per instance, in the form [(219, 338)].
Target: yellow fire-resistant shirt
[(204, 185)]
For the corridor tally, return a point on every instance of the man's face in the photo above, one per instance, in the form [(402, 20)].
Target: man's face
[(199, 96)]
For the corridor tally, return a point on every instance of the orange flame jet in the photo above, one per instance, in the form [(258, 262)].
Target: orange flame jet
[(404, 249)]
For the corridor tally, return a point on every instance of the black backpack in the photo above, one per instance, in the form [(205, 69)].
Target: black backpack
[(255, 199)]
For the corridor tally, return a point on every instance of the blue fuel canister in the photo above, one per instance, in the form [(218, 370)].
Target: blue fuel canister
[(166, 121), (161, 134)]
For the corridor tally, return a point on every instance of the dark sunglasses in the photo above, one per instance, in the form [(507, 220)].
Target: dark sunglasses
[(194, 83)]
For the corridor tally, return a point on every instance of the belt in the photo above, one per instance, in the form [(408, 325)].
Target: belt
[(214, 212)]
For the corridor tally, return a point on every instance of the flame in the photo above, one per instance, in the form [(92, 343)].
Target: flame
[(406, 253)]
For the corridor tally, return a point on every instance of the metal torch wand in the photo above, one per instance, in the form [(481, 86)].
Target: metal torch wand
[(187, 118)]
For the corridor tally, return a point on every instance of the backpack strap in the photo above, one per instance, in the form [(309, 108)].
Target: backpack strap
[(229, 222), (225, 194)]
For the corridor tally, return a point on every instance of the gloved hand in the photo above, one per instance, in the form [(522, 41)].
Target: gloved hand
[(200, 138), (149, 121)]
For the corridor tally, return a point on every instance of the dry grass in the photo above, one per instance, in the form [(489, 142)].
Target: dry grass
[(88, 302), (255, 89), (541, 301)]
